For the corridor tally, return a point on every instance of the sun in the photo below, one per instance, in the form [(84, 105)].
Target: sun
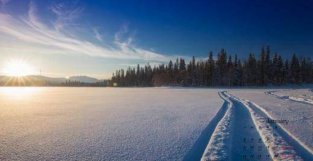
[(18, 68)]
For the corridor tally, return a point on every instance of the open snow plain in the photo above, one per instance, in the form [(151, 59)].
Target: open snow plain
[(105, 123), (156, 124)]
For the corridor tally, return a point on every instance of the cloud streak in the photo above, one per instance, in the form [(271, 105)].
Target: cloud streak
[(4, 2), (66, 16), (29, 31), (98, 36)]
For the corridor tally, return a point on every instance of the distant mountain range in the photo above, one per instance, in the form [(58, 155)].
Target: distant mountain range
[(84, 79), (44, 80)]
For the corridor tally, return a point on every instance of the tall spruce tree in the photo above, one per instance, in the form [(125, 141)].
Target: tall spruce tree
[(222, 67), (251, 68), (211, 66), (295, 69)]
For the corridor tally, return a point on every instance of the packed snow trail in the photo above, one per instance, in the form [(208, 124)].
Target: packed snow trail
[(275, 142), (244, 133), (247, 141), (281, 138), (282, 144), (298, 115), (219, 145), (236, 137)]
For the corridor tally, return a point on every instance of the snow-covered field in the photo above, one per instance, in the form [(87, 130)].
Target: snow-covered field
[(105, 123), (155, 124)]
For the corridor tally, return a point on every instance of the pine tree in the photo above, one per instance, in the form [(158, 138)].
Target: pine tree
[(280, 70), (182, 71), (267, 66), (222, 67), (306, 70), (274, 69), (250, 72), (230, 71), (286, 72), (262, 63), (211, 69), (295, 69), (182, 65), (239, 76)]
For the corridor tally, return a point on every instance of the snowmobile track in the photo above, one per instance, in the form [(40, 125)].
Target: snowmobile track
[(236, 136), (244, 134)]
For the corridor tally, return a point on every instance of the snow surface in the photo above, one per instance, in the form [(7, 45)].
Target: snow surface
[(299, 115), (103, 123), (298, 95), (219, 146), (245, 132), (155, 124), (276, 145)]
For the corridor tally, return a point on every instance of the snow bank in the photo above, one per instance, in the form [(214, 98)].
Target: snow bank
[(304, 100), (219, 145), (298, 95)]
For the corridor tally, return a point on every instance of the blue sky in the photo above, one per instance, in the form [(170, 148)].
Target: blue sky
[(95, 37)]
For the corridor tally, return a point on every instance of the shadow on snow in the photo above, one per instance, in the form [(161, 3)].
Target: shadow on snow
[(197, 150)]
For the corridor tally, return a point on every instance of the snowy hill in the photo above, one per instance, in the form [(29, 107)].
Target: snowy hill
[(84, 79), (38, 80)]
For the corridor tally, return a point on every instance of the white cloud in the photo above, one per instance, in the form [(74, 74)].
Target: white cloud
[(29, 33)]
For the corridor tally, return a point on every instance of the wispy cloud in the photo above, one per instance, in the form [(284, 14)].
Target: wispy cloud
[(98, 36), (125, 44), (66, 14), (4, 2), (30, 32)]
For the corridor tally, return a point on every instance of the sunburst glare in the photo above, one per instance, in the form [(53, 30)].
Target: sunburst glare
[(18, 68)]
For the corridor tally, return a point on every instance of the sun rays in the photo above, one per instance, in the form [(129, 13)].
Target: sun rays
[(18, 68), (16, 72)]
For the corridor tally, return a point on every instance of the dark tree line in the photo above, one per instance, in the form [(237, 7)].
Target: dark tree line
[(224, 70)]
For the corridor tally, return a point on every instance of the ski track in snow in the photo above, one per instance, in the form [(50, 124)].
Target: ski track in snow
[(245, 134), (219, 145), (235, 136), (291, 98)]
